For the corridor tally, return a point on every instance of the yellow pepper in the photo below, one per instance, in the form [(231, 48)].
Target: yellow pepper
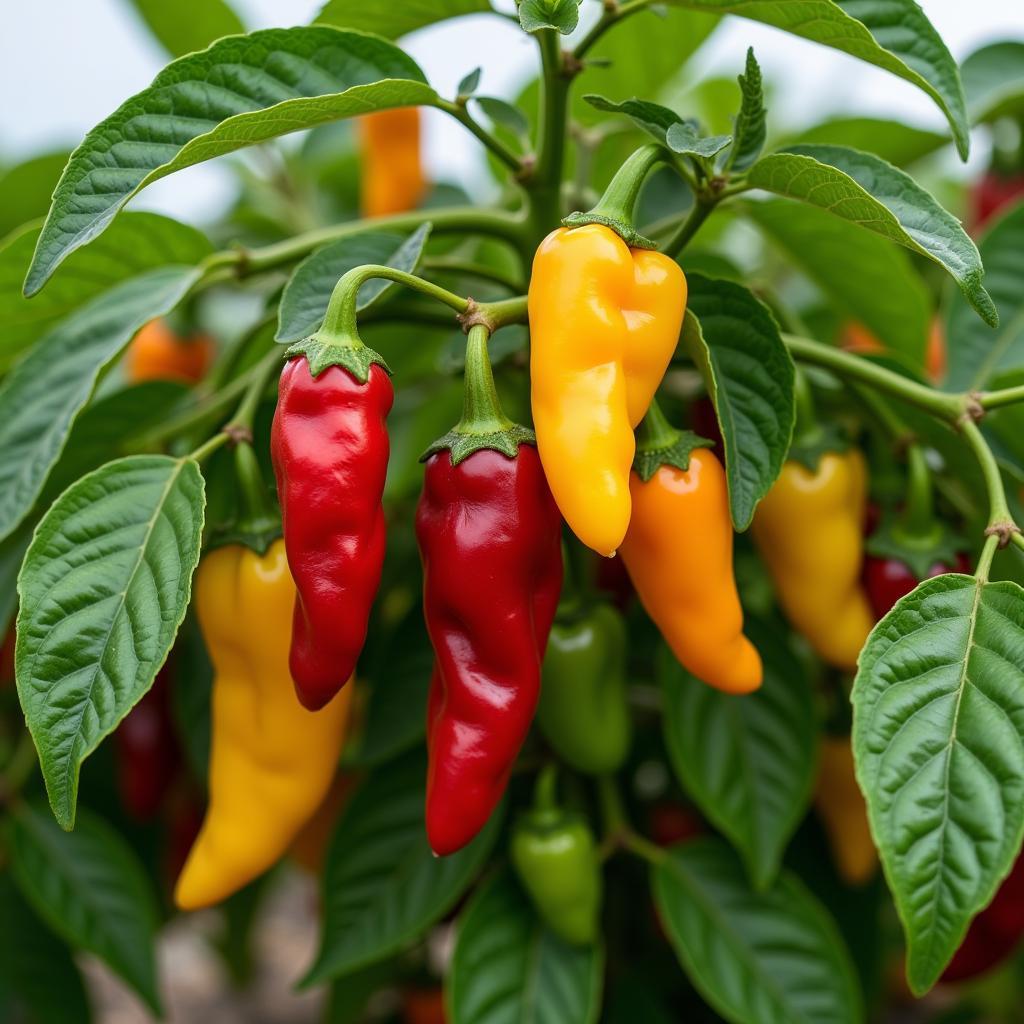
[(391, 178), (604, 322), (678, 552), (840, 805), (809, 530), (272, 761)]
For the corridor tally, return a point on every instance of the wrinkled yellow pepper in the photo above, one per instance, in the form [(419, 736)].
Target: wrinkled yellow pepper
[(810, 531), (604, 322), (271, 760)]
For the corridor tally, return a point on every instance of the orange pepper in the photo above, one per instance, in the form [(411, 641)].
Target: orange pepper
[(840, 805), (157, 353), (392, 169)]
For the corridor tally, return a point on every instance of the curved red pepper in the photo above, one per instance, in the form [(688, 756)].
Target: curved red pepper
[(888, 579), (330, 449), (490, 537)]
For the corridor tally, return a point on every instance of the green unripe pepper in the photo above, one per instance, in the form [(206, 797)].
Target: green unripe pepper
[(555, 857), (583, 711)]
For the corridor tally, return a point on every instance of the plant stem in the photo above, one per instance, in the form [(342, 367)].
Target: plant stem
[(545, 183), (1004, 396), (209, 446), (613, 14), (701, 210), (481, 409), (504, 312), (918, 516), (498, 148), (985, 559), (613, 813), (941, 405), (644, 848), (263, 371), (998, 510)]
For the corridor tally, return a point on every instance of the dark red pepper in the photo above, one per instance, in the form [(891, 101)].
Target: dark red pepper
[(888, 579), (147, 751), (995, 933), (992, 194), (330, 449), (490, 538)]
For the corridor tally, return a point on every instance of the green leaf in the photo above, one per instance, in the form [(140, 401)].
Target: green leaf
[(25, 189), (682, 138), (734, 340), (104, 587), (137, 242), (653, 118), (899, 143), (892, 34), (391, 20), (866, 190), (772, 957), (309, 289), (241, 91), (749, 761), (469, 84), (865, 277), (188, 25), (977, 353), (383, 887), (511, 118), (36, 966), (43, 395), (750, 128), (508, 967), (994, 80), (938, 732), (561, 15), (90, 888)]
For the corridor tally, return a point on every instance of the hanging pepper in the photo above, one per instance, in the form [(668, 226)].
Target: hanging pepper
[(913, 547), (840, 805), (554, 855), (157, 353), (678, 551), (330, 449), (809, 531), (993, 193), (604, 322), (583, 711), (391, 178), (490, 538), (271, 760)]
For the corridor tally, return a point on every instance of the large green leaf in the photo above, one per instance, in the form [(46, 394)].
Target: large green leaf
[(994, 80), (976, 353), (241, 91), (90, 888), (103, 589), (938, 733), (35, 966), (866, 190), (137, 242), (772, 957), (748, 762), (866, 278), (899, 143), (188, 25), (390, 19), (45, 392), (734, 340), (383, 887), (892, 34), (25, 189), (508, 967), (309, 290)]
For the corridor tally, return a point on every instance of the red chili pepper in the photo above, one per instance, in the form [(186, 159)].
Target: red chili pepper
[(992, 194), (148, 755), (330, 449), (490, 537), (995, 933), (888, 579)]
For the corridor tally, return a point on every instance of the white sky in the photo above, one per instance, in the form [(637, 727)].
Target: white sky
[(104, 56)]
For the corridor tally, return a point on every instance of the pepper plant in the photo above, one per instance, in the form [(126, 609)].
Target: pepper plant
[(692, 686)]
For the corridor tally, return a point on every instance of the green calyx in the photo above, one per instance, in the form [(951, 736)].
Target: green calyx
[(483, 424), (322, 352), (659, 444), (616, 206)]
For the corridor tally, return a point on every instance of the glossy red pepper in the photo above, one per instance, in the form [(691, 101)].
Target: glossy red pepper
[(147, 751), (490, 537), (995, 933), (992, 194), (330, 449), (886, 580)]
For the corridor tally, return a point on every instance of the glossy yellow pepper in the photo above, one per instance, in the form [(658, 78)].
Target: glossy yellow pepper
[(809, 530), (678, 551), (271, 761), (391, 168), (604, 322), (840, 805)]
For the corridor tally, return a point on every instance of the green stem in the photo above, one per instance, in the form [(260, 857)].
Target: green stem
[(614, 13), (545, 792), (981, 570), (498, 148), (943, 406), (481, 409), (209, 447), (613, 812), (1004, 396), (544, 184), (504, 312), (257, 385), (998, 510), (701, 211), (644, 848), (655, 432), (918, 518), (806, 425)]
